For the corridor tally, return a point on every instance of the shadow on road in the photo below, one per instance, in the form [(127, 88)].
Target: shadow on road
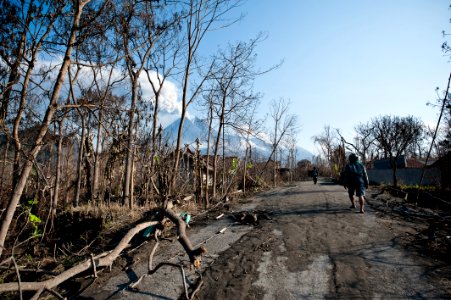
[(310, 212), (327, 183)]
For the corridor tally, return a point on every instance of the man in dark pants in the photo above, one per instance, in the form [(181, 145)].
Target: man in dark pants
[(315, 175), (356, 181)]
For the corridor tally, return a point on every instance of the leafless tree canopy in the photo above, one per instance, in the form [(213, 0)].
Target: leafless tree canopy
[(78, 131)]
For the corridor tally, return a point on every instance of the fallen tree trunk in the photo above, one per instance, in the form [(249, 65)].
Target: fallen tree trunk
[(106, 259), (103, 260), (193, 253)]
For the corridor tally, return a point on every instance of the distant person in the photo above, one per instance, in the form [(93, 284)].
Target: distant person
[(355, 179), (315, 175)]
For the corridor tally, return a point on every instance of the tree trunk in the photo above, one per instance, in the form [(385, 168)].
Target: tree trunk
[(218, 138), (275, 165), (395, 178), (275, 144), (223, 162), (54, 203), (127, 195), (95, 183), (17, 143), (394, 167), (207, 178), (80, 160), (154, 130), (215, 159), (245, 168), (177, 147), (88, 154), (5, 159)]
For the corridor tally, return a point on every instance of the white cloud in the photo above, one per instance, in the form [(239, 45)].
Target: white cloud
[(264, 137), (165, 118), (170, 106), (169, 102)]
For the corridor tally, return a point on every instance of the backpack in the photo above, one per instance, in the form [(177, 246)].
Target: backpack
[(343, 179), (352, 174)]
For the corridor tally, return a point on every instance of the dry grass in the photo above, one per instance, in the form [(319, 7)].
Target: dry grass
[(101, 209), (114, 215)]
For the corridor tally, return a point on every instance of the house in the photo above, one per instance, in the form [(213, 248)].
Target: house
[(385, 163), (444, 165), (187, 165), (409, 171)]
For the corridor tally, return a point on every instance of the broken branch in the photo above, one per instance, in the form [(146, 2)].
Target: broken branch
[(102, 260)]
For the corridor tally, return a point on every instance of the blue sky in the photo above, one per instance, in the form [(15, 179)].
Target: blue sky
[(346, 61)]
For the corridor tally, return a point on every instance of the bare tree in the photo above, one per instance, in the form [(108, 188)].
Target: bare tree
[(210, 107), (291, 145), (252, 128), (363, 142), (140, 24), (327, 141), (283, 123), (200, 18), (393, 135), (162, 64), (99, 51), (232, 86)]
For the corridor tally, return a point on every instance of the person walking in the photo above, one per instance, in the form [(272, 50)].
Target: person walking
[(356, 181), (315, 175)]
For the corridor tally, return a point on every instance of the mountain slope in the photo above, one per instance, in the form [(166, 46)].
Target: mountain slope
[(235, 144)]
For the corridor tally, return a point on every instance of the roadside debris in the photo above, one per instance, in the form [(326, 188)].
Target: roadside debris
[(222, 230)]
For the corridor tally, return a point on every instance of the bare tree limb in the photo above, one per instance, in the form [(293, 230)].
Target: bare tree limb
[(102, 260), (436, 129), (18, 277)]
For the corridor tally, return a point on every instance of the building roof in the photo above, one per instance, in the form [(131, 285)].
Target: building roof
[(418, 162), (384, 163), (403, 162)]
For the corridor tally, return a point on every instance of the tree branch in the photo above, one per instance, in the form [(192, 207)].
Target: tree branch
[(103, 260)]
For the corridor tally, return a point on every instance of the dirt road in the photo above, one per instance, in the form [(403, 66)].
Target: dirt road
[(312, 246), (315, 247)]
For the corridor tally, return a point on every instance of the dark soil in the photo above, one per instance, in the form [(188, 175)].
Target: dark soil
[(430, 217), (310, 229)]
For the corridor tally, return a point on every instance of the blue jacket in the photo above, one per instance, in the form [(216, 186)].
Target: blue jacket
[(355, 174)]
